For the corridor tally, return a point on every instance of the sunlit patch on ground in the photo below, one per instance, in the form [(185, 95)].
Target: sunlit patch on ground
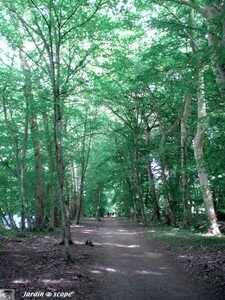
[(21, 281), (143, 272), (54, 281), (148, 254), (118, 245), (96, 272)]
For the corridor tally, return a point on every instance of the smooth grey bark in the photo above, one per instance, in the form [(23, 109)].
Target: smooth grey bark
[(199, 156), (213, 14)]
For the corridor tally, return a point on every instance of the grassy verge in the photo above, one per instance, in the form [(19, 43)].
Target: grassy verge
[(184, 239), (201, 255), (15, 233)]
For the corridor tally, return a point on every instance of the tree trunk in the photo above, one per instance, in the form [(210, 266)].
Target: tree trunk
[(80, 201), (137, 178), (215, 21), (169, 204), (58, 131), (39, 214), (74, 196), (22, 172), (169, 201), (4, 219), (155, 204), (184, 163), (198, 152), (54, 220), (217, 57), (60, 168), (12, 221), (85, 154), (97, 215)]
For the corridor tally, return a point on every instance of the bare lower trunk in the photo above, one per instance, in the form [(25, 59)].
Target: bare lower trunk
[(54, 221), (61, 174), (23, 199), (12, 221), (155, 203), (39, 214), (184, 175), (79, 202), (74, 196), (198, 151), (29, 223), (137, 175), (141, 199), (4, 219), (97, 214), (85, 154), (169, 201), (22, 172), (153, 196)]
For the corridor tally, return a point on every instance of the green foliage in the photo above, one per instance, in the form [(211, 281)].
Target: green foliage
[(124, 68)]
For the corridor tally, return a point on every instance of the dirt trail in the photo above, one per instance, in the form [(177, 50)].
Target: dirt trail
[(122, 265), (127, 266)]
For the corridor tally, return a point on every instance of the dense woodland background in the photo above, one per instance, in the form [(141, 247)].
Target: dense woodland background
[(105, 106)]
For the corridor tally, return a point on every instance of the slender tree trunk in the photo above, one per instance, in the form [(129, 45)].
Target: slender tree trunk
[(12, 222), (19, 160), (74, 196), (80, 200), (170, 215), (60, 168), (23, 199), (4, 219), (39, 214), (169, 200), (29, 222), (58, 131), (137, 178), (184, 163), (198, 151), (54, 220), (85, 154), (97, 203), (22, 172), (155, 204)]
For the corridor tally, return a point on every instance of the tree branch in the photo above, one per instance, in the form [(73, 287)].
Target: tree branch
[(190, 4), (28, 55)]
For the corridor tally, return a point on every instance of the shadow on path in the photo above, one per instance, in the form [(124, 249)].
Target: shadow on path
[(127, 266)]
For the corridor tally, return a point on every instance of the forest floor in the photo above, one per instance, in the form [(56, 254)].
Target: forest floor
[(126, 262)]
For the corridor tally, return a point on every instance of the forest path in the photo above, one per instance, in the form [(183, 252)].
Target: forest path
[(128, 266)]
